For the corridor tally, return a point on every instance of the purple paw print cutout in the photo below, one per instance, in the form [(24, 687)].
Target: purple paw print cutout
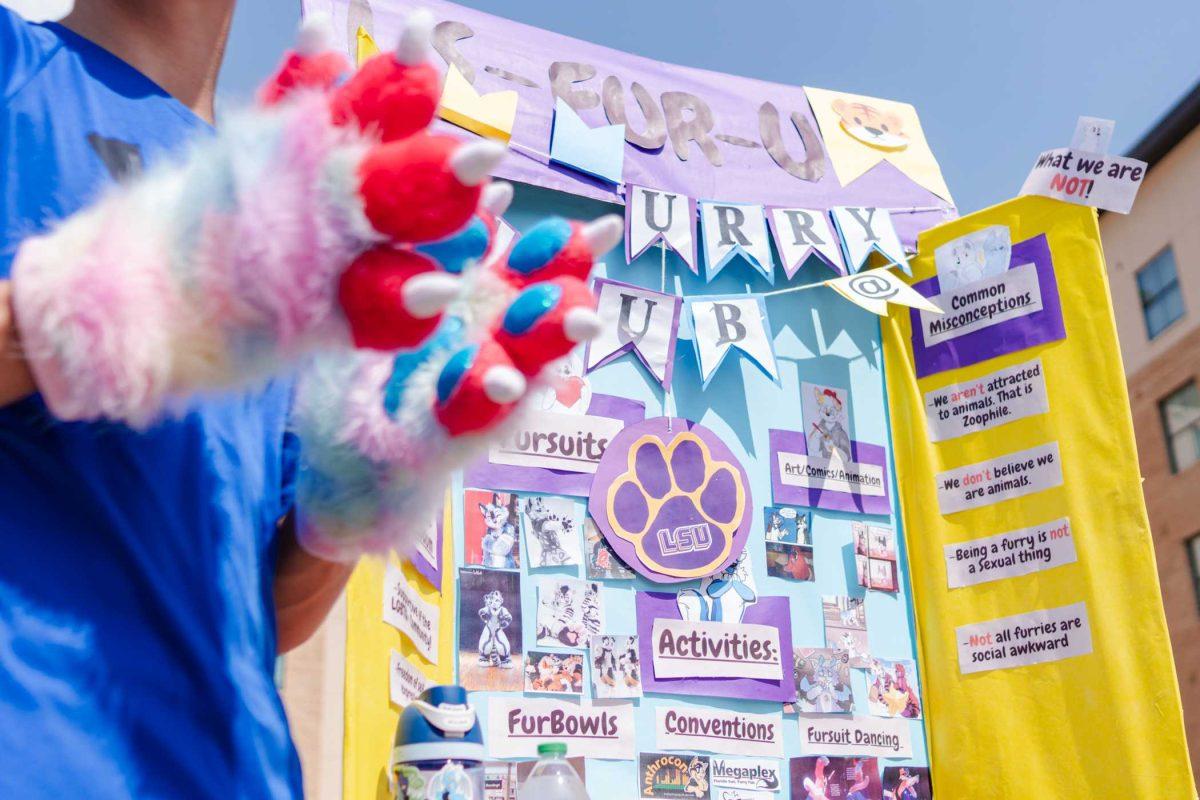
[(672, 500)]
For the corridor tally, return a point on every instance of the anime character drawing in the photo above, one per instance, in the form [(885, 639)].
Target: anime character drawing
[(862, 782), (776, 532), (905, 788), (828, 433), (494, 649), (891, 694), (817, 784), (821, 682), (551, 530), (697, 777), (722, 597), (501, 523)]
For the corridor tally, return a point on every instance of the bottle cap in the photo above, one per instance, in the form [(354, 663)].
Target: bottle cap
[(552, 749)]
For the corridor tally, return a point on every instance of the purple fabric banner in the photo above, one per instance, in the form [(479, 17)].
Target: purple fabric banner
[(1008, 336), (503, 477), (760, 138), (773, 611), (871, 455)]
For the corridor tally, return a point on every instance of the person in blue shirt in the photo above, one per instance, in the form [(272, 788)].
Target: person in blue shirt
[(147, 579)]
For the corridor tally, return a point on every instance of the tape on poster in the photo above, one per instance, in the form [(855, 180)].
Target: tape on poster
[(1052, 634), (854, 736), (719, 731), (516, 725)]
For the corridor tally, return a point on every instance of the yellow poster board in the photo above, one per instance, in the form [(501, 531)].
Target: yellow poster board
[(370, 720), (1102, 725)]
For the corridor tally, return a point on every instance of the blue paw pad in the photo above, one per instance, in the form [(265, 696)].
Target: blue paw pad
[(452, 374), (536, 248), (455, 253), (530, 306)]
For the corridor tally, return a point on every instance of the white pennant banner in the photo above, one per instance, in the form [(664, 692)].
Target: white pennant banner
[(635, 320), (719, 325), (867, 230), (875, 288), (802, 232), (732, 229), (652, 215)]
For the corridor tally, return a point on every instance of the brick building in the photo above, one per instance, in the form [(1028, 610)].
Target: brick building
[(1153, 259)]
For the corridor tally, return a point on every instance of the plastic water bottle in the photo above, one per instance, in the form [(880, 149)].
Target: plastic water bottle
[(553, 777)]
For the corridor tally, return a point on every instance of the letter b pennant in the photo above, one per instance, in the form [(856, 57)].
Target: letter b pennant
[(721, 324)]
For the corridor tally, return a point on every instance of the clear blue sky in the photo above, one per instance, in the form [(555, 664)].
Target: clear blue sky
[(995, 81)]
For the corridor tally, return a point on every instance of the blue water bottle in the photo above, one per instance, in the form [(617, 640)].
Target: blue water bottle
[(438, 750)]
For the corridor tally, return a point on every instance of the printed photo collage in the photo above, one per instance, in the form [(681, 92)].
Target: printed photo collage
[(551, 537), (512, 537)]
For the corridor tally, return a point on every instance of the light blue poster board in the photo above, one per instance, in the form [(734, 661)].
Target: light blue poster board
[(818, 338)]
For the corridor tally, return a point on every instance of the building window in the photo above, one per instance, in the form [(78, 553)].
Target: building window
[(1193, 546), (1158, 288), (1181, 423)]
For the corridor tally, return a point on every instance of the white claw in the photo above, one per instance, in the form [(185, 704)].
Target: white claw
[(582, 325), (314, 35), (413, 47), (497, 196), (429, 293), (604, 234), (503, 384), (473, 162)]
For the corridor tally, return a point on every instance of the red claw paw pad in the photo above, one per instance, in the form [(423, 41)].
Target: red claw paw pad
[(320, 71), (411, 194), (371, 293), (533, 329), (393, 99), (672, 500), (463, 402)]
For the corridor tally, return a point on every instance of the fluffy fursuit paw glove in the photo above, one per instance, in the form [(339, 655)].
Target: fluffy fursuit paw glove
[(292, 230), (381, 433)]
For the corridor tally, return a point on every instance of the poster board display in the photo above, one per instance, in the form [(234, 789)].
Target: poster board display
[(1043, 639)]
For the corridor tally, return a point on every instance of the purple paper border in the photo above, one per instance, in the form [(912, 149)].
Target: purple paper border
[(773, 611), (860, 452), (632, 346), (630, 257), (615, 461), (813, 252), (431, 572), (508, 478), (1002, 338)]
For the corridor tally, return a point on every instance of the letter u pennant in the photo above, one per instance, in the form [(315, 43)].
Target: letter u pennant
[(722, 324), (635, 320), (652, 215)]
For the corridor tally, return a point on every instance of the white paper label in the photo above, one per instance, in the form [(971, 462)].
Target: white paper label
[(1023, 639), (987, 402), (1007, 555), (1086, 179), (567, 442), (730, 793), (517, 725), (405, 681), (1003, 478), (830, 474), (854, 736), (406, 611), (982, 304), (755, 775), (426, 543), (694, 649), (718, 731)]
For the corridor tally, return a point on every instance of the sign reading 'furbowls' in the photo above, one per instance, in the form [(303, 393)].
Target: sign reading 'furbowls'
[(672, 500)]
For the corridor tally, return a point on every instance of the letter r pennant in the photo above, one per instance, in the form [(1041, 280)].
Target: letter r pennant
[(635, 320)]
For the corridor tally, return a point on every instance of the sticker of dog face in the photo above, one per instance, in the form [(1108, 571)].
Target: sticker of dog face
[(877, 129)]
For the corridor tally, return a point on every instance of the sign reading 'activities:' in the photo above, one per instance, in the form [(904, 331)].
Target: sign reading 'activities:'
[(691, 649), (997, 479), (1034, 638)]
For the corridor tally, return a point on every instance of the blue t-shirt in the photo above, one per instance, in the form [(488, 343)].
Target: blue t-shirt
[(137, 630)]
